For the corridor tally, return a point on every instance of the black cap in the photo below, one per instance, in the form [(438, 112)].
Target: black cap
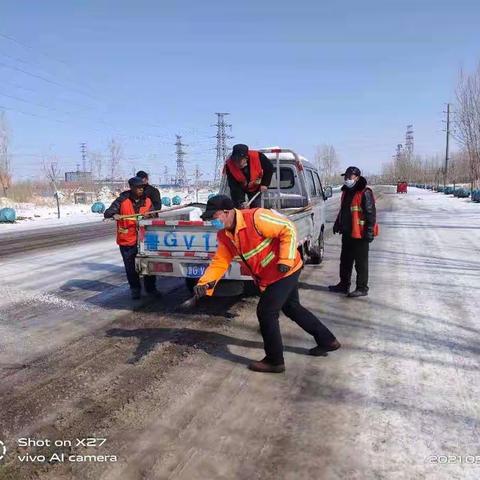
[(141, 174), (136, 182), (216, 203), (239, 151), (352, 171)]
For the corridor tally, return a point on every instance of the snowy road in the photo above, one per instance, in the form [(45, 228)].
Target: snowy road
[(16, 242), (171, 393)]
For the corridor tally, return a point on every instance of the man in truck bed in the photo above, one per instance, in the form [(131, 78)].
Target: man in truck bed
[(267, 244), (248, 172)]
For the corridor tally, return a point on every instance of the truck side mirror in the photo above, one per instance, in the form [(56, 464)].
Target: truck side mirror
[(327, 192)]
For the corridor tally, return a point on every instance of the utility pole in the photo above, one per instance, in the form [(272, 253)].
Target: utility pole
[(165, 175), (181, 175), (83, 150), (445, 171), (222, 148)]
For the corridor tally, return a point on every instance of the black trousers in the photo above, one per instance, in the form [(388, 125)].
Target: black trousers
[(354, 251), (283, 295), (128, 255)]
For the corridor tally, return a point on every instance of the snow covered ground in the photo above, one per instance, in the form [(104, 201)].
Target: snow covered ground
[(31, 216), (35, 216)]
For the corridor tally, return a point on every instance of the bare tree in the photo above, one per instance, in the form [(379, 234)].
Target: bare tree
[(467, 120), (116, 155), (96, 164), (327, 162), (5, 168), (52, 172)]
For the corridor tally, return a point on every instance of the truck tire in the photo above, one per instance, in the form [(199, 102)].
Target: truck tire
[(250, 289), (317, 251)]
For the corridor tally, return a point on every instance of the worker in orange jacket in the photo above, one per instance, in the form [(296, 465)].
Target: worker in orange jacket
[(131, 202), (266, 242)]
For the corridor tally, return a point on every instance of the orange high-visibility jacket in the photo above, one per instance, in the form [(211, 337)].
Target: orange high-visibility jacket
[(127, 228), (358, 217), (262, 239), (256, 172)]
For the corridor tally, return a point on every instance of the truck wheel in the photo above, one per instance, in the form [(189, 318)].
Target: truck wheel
[(190, 283), (318, 250), (250, 289)]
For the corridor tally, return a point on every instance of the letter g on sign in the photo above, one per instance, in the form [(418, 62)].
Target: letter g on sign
[(170, 240)]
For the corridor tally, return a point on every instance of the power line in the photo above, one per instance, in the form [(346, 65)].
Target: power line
[(18, 42), (40, 77), (19, 99)]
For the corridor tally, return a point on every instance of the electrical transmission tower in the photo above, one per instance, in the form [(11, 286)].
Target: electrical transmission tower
[(222, 147), (409, 142), (165, 175), (398, 153), (181, 175), (198, 175), (83, 150)]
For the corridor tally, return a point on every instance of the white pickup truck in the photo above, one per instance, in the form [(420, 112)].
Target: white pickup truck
[(177, 246)]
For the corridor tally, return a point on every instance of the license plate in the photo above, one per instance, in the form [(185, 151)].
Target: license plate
[(196, 270)]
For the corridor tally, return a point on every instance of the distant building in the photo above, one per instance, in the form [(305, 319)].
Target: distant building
[(78, 177)]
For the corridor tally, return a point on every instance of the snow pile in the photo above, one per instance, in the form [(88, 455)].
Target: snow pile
[(105, 196), (6, 203)]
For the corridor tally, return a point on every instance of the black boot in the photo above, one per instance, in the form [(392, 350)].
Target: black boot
[(339, 288), (357, 293)]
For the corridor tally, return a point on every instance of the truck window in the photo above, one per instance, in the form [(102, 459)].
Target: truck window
[(287, 179), (318, 184), (310, 183)]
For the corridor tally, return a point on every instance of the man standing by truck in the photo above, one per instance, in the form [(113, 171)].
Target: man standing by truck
[(131, 202), (267, 244), (248, 172), (356, 222)]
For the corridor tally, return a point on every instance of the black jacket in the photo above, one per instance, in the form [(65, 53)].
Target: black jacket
[(114, 208), (236, 191), (343, 223), (154, 195)]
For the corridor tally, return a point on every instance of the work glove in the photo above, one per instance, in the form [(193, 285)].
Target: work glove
[(117, 216), (244, 205), (335, 228), (200, 290), (369, 237), (282, 268)]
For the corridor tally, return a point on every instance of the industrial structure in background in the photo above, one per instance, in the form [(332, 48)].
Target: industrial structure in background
[(404, 156), (181, 174), (85, 174), (222, 146)]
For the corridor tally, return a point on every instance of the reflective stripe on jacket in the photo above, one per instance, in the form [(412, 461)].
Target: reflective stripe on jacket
[(262, 239), (358, 216), (256, 172), (127, 228)]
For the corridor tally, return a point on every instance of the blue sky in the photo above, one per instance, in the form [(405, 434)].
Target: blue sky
[(296, 74)]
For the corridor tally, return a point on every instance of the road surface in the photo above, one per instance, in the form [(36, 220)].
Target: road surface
[(170, 391), (13, 242)]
